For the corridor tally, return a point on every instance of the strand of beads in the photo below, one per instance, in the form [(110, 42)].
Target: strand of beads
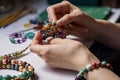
[(15, 55), (51, 30), (91, 67), (18, 65)]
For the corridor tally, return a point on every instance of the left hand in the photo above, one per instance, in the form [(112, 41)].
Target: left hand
[(62, 53)]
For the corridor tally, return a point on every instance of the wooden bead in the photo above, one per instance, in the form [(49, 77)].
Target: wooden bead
[(20, 68), (20, 63), (13, 61), (4, 61)]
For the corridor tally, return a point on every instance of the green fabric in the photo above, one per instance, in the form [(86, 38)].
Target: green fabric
[(95, 12)]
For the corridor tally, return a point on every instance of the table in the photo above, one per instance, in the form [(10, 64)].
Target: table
[(42, 70)]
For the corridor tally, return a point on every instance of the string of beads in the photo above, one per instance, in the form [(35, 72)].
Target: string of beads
[(91, 67)]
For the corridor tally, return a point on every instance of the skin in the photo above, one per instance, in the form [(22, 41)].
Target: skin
[(72, 54)]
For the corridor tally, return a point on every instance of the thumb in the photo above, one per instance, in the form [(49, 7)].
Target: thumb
[(66, 19)]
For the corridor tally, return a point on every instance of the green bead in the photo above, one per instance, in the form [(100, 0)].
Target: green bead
[(24, 74), (84, 70), (1, 77), (53, 23), (12, 40), (104, 63), (29, 73), (30, 35), (7, 77), (14, 76)]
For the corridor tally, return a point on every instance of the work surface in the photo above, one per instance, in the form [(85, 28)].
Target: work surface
[(42, 70)]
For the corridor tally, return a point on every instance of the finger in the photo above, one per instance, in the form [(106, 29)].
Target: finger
[(62, 7), (52, 14), (66, 19)]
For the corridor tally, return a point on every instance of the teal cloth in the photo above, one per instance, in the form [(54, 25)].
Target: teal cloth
[(95, 12)]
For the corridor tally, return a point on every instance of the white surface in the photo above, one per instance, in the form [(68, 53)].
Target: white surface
[(42, 71)]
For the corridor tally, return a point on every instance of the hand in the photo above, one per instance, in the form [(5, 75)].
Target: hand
[(65, 13), (62, 53)]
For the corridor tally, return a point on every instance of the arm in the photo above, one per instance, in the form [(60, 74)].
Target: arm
[(107, 33)]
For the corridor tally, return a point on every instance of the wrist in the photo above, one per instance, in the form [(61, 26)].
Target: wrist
[(86, 58)]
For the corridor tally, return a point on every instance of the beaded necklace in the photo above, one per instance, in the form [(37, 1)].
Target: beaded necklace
[(9, 62)]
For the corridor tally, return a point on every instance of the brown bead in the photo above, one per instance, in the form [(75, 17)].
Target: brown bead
[(0, 64), (4, 61), (20, 68), (20, 63), (6, 57), (13, 61)]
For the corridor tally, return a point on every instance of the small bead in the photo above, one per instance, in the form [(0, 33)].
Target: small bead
[(8, 66), (0, 64), (6, 57), (1, 77), (25, 75), (104, 63), (98, 64), (89, 67), (4, 61), (13, 61), (7, 77), (53, 23), (16, 67), (108, 65), (94, 65), (24, 70), (20, 68), (20, 63)]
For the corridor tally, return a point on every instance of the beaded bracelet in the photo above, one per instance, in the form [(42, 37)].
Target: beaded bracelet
[(91, 67), (51, 30), (17, 38)]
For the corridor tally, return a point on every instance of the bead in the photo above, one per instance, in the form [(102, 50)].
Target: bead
[(20, 68), (108, 65), (30, 35), (13, 61), (104, 63), (8, 66), (1, 77), (20, 63), (94, 65), (24, 70), (98, 64), (89, 67), (4, 61), (25, 75), (0, 64), (6, 57), (7, 77), (53, 23), (16, 67), (13, 66)]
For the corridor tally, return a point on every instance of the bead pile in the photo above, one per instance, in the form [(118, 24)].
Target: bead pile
[(9, 62), (51, 30), (91, 67)]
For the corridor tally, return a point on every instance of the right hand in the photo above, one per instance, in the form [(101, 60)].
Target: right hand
[(65, 13)]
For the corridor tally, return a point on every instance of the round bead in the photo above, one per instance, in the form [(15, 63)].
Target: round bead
[(89, 67), (0, 64), (94, 65), (53, 23), (13, 61), (20, 68), (6, 57), (4, 61), (7, 77), (8, 66), (104, 63), (20, 63), (24, 70), (1, 77), (25, 75), (30, 35), (108, 65)]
